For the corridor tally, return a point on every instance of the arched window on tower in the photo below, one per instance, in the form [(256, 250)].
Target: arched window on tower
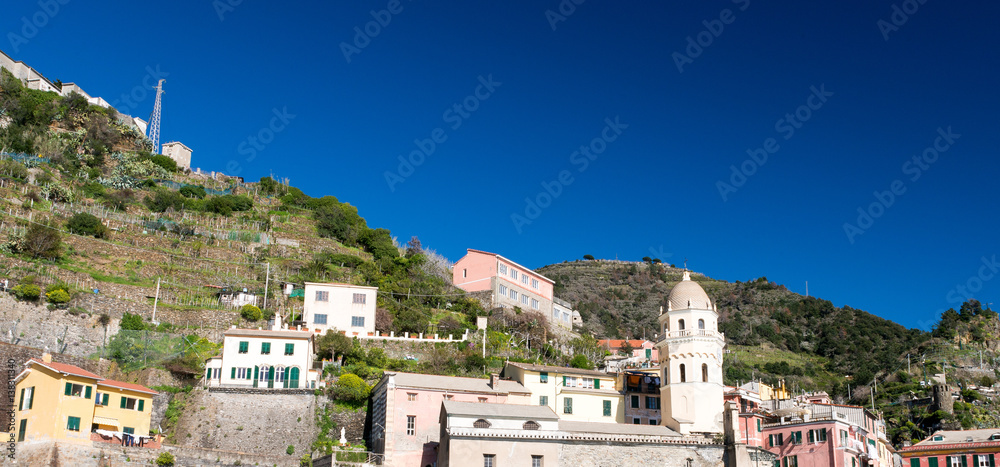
[(704, 372), (701, 324), (683, 376), (680, 325)]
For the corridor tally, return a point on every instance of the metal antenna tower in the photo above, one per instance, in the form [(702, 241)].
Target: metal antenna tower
[(154, 120)]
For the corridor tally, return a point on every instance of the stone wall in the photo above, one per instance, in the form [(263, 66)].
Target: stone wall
[(60, 454), (586, 454)]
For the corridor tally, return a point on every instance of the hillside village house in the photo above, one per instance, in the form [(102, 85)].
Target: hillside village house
[(572, 393), (277, 358), (348, 308), (751, 416), (511, 285), (825, 434), (968, 448), (642, 350), (641, 389), (61, 402), (406, 411)]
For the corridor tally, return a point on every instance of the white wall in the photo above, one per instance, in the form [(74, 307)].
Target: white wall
[(302, 358), (340, 307)]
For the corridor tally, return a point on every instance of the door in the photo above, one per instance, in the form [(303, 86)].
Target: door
[(270, 378), (294, 377), (21, 430), (256, 375)]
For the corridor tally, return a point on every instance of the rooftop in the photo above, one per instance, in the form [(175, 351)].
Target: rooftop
[(126, 386), (990, 436), (65, 368), (341, 284), (488, 410), (471, 250), (455, 383), (288, 334), (559, 369)]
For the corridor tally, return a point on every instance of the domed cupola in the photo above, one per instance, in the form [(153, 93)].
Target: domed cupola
[(687, 294)]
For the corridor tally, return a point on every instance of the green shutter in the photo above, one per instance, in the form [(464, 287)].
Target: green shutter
[(289, 349), (812, 436), (295, 377), (69, 388), (86, 393), (992, 461), (21, 403), (565, 379), (963, 460), (770, 440), (123, 402), (607, 408), (31, 398), (597, 383), (932, 462), (265, 347), (915, 462), (233, 373), (208, 373), (758, 425), (105, 400), (141, 404)]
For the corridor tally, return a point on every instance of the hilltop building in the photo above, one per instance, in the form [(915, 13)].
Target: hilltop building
[(62, 402), (180, 153), (690, 360), (966, 448), (345, 307), (506, 283)]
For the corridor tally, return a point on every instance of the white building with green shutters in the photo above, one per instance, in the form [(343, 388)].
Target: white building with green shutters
[(278, 358)]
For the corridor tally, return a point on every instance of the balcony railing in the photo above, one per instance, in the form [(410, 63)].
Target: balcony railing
[(694, 333)]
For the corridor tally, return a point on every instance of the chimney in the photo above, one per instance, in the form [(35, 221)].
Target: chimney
[(494, 380), (47, 357)]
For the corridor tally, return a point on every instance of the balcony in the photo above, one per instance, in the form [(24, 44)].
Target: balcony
[(693, 333)]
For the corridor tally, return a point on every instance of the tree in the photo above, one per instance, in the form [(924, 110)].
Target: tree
[(579, 361), (333, 344), (413, 247), (588, 257), (165, 459), (83, 223), (193, 191), (626, 349), (132, 322), (383, 320), (42, 241)]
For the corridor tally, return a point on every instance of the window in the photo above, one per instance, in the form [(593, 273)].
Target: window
[(795, 437), (524, 299), (597, 383), (758, 426), (360, 298), (322, 296), (76, 390), (536, 461), (358, 321), (319, 319), (513, 274), (636, 421), (955, 461), (915, 462), (101, 399), (289, 349), (411, 397), (503, 269), (73, 424), (534, 283), (652, 403), (265, 348), (543, 400), (932, 462), (652, 421), (568, 405), (28, 398), (465, 273), (790, 461), (524, 279), (513, 295), (411, 425), (489, 460), (680, 325), (279, 375), (244, 347), (531, 425), (774, 440), (22, 429), (534, 304), (704, 372), (503, 290), (481, 424), (843, 437), (983, 460), (634, 402), (543, 377), (607, 408), (938, 438), (683, 376), (131, 403), (128, 430), (817, 436), (701, 324)]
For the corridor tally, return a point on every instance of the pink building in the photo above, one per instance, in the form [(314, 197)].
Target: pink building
[(824, 435), (511, 285), (972, 448), (641, 349), (405, 423), (752, 417)]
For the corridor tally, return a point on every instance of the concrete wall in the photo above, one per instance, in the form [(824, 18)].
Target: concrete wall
[(580, 454)]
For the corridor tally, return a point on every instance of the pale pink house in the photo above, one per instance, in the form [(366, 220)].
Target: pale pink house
[(752, 417), (641, 348), (405, 423), (824, 434), (511, 284)]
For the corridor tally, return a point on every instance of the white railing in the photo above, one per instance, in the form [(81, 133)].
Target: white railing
[(694, 333)]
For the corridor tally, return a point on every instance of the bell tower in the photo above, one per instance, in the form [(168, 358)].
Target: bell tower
[(690, 352)]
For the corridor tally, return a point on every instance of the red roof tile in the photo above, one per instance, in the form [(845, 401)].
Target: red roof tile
[(123, 385), (65, 368)]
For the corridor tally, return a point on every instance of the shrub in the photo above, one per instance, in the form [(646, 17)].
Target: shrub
[(588, 257), (29, 292), (193, 191), (94, 190), (164, 199), (290, 450), (251, 313), (165, 459), (579, 361), (164, 161), (83, 223), (42, 241), (350, 388), (132, 322), (57, 297)]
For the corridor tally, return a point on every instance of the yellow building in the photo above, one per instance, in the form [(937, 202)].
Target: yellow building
[(574, 394), (56, 401)]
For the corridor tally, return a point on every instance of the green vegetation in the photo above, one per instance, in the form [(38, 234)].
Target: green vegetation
[(251, 313), (165, 459), (26, 292), (350, 389), (87, 224)]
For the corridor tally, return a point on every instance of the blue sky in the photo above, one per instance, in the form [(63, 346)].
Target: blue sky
[(658, 183)]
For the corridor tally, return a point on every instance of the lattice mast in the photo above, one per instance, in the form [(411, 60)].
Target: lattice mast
[(154, 119)]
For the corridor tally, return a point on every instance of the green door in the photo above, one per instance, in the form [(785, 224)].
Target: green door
[(287, 376), (22, 429), (270, 378), (294, 376), (256, 375)]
